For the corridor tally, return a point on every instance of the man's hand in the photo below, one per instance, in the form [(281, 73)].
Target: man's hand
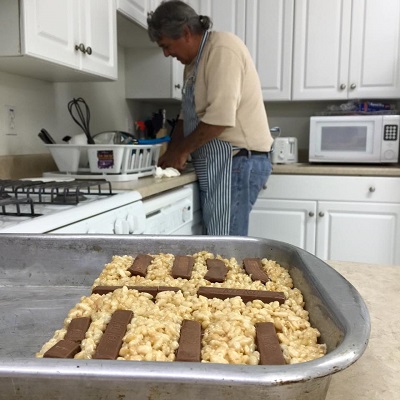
[(174, 157), (179, 149)]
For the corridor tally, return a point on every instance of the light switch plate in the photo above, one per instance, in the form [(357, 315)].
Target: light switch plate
[(10, 114)]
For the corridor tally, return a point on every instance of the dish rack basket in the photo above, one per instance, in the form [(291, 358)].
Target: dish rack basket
[(117, 162)]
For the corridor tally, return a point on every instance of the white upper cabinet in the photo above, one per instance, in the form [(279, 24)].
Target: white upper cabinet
[(269, 33), (57, 38), (227, 15), (346, 49), (98, 31), (136, 9)]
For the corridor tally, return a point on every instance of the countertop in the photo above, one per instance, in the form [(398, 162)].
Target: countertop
[(375, 375)]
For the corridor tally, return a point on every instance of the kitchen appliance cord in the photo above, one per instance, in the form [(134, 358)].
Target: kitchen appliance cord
[(84, 117)]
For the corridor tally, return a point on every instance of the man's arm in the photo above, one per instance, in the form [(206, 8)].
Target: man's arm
[(180, 147)]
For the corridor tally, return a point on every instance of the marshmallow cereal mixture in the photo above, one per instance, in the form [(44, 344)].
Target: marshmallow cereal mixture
[(226, 328)]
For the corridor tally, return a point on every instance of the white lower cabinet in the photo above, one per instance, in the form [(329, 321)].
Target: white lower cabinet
[(363, 232), (336, 218), (290, 221)]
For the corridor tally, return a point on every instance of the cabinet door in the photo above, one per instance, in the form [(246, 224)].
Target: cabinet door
[(289, 221), (321, 49), (269, 33), (150, 75), (50, 30), (136, 9), (98, 30), (375, 49), (227, 15), (359, 232)]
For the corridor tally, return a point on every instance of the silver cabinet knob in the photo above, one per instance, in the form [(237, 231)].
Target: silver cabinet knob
[(80, 47), (343, 86), (372, 189), (353, 86), (311, 214), (265, 186), (85, 50), (321, 214)]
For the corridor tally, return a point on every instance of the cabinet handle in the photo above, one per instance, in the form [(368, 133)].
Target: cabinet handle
[(311, 214), (265, 186), (321, 214), (353, 86), (178, 86), (80, 47), (343, 86), (372, 189), (89, 50)]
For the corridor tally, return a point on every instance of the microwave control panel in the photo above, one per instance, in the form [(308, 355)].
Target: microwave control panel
[(390, 132), (390, 138)]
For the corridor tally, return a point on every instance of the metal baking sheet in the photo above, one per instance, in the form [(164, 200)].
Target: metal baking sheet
[(43, 276)]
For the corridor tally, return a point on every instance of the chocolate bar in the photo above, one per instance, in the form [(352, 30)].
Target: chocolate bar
[(168, 289), (182, 267), (189, 342), (140, 265), (246, 295), (111, 341), (268, 344), (77, 329), (153, 290), (217, 270), (253, 267), (63, 349)]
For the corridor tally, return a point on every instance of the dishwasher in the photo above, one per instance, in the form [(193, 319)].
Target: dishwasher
[(174, 212)]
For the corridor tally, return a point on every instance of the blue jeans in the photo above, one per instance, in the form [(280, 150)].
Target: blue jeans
[(249, 174)]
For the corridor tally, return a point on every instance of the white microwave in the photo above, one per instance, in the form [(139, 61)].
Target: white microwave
[(354, 139)]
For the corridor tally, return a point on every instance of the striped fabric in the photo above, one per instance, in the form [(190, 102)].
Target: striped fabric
[(213, 165)]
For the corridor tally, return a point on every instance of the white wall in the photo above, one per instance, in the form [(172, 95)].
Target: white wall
[(35, 109)]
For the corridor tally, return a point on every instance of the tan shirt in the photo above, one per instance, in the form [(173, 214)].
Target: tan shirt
[(228, 92)]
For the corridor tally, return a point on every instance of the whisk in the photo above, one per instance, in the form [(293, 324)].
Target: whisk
[(83, 116)]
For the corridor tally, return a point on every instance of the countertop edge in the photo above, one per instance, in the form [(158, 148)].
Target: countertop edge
[(150, 186), (335, 169)]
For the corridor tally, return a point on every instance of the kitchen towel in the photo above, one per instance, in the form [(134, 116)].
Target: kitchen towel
[(167, 172)]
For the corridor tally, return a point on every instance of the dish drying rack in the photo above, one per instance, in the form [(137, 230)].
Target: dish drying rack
[(113, 162)]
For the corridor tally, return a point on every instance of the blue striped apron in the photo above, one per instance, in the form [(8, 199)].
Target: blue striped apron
[(212, 163)]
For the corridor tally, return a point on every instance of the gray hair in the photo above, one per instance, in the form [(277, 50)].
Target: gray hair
[(170, 18)]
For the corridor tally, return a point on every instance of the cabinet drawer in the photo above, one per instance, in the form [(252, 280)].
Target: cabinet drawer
[(335, 188)]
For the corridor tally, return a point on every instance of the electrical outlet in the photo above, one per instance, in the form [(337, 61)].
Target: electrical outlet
[(10, 120)]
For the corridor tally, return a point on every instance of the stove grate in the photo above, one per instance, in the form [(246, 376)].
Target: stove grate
[(55, 192), (14, 193), (13, 201)]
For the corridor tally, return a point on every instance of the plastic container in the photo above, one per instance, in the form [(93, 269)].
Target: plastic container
[(66, 156), (108, 159)]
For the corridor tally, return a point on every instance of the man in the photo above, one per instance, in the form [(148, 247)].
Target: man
[(223, 125)]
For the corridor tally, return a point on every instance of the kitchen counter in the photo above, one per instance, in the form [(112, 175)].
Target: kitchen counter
[(337, 169), (375, 375)]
